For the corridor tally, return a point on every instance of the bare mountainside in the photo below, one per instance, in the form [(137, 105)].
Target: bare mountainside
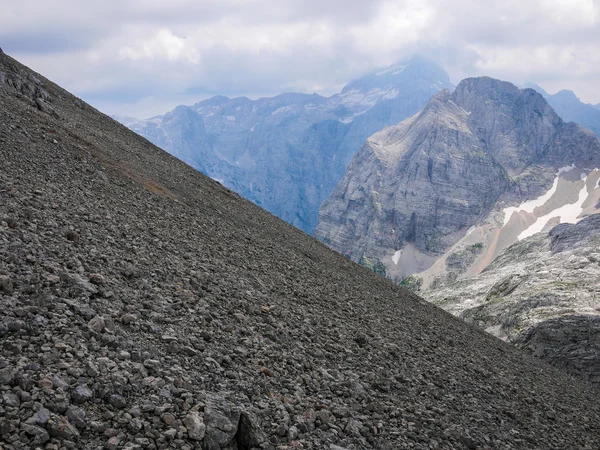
[(145, 306), (448, 189)]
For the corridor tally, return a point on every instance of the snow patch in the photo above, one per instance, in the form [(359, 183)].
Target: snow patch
[(530, 205), (566, 214), (230, 118), (392, 70), (282, 110), (396, 256)]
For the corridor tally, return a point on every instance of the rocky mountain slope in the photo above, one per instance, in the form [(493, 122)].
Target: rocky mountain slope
[(568, 106), (287, 153), (442, 183), (145, 306), (542, 294)]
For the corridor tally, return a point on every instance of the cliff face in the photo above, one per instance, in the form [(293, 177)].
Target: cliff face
[(286, 153), (415, 189)]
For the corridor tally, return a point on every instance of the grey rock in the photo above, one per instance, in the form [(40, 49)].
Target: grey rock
[(6, 376), (39, 434), (82, 394), (221, 418), (76, 416), (97, 324), (250, 433), (117, 401), (11, 400), (42, 416), (6, 285), (60, 427), (195, 426)]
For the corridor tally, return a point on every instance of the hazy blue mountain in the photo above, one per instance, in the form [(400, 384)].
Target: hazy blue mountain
[(572, 109), (288, 152)]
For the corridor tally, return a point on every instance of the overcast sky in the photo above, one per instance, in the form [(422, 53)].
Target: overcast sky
[(143, 57)]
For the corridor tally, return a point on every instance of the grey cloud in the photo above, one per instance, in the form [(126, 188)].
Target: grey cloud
[(263, 47)]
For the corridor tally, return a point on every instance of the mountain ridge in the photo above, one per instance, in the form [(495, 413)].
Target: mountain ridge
[(287, 152)]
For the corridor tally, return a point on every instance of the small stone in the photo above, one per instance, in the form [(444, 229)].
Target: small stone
[(91, 369), (53, 279), (293, 433), (82, 394), (73, 237), (59, 427), (15, 325), (6, 376), (117, 401), (11, 400), (112, 443), (152, 364), (361, 340), (97, 279), (127, 319), (42, 416), (195, 426), (6, 285), (97, 324), (169, 419), (268, 372), (46, 384), (39, 434), (170, 434), (76, 416)]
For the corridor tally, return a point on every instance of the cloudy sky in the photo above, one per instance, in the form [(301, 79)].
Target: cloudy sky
[(143, 57)]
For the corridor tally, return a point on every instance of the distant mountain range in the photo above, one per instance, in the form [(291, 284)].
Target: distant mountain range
[(287, 153), (572, 109)]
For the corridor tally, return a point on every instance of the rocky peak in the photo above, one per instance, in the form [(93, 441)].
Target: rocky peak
[(567, 94), (413, 190), (416, 71)]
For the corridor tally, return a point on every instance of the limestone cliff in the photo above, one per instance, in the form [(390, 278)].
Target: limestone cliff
[(414, 190)]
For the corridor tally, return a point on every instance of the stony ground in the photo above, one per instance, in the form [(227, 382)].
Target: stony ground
[(542, 293), (147, 307)]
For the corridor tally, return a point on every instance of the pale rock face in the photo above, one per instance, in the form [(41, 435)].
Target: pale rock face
[(287, 153), (423, 184)]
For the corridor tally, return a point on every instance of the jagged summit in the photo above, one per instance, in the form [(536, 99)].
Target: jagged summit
[(147, 306)]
